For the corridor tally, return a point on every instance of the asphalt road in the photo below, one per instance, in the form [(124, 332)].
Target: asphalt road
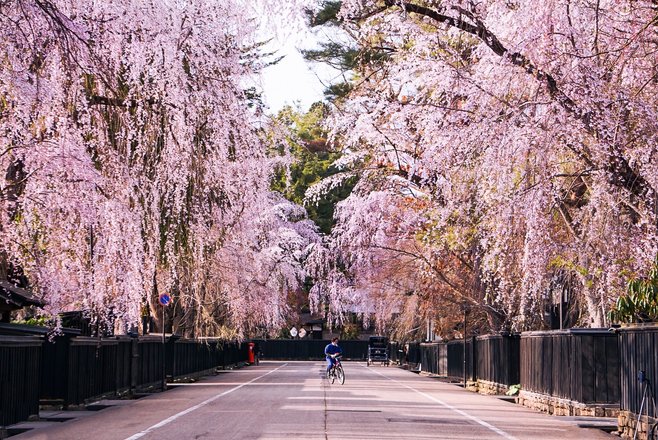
[(279, 400)]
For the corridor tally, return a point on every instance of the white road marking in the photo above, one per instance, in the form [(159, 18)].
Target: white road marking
[(195, 407), (226, 384), (450, 407)]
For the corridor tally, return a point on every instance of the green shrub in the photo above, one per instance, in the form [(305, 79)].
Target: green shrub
[(42, 321), (640, 302), (349, 331)]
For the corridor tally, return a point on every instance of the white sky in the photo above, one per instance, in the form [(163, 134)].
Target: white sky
[(290, 82), (294, 81)]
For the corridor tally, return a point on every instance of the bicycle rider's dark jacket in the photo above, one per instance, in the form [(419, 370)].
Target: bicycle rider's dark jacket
[(332, 349)]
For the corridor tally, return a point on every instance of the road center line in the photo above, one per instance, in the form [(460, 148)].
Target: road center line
[(450, 407), (195, 407)]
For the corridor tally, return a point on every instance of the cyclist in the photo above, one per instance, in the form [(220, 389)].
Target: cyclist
[(331, 351)]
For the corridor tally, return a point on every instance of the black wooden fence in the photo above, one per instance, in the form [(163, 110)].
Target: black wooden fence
[(457, 365), (414, 355), (20, 360), (396, 352), (186, 356), (429, 358), (638, 353), (308, 349), (70, 370), (497, 358), (582, 365), (54, 375), (76, 369), (588, 365), (92, 369), (493, 358), (578, 364), (149, 361), (118, 365)]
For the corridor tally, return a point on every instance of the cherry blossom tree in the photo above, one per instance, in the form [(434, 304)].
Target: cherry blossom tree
[(531, 128), (134, 165)]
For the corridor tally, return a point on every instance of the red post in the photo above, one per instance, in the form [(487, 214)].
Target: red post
[(252, 358)]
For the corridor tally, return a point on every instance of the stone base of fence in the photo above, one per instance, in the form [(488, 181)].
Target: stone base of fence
[(146, 388), (486, 387), (564, 407), (628, 424), (194, 376)]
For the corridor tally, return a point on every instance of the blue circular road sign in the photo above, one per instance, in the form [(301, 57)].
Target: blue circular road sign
[(165, 299)]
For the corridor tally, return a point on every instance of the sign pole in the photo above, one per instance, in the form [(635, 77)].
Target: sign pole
[(464, 346), (164, 352), (164, 300)]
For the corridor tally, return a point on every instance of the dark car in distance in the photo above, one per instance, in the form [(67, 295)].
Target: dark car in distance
[(378, 350)]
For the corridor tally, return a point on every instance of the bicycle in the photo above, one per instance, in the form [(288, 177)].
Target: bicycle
[(336, 372)]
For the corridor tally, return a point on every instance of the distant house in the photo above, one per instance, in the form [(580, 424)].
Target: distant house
[(315, 328), (14, 298)]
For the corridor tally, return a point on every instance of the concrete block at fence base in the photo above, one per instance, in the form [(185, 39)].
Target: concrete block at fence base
[(628, 424), (564, 407)]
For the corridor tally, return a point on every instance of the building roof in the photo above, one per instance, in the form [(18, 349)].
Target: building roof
[(17, 297)]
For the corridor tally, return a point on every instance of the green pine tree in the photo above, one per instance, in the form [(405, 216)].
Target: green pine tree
[(313, 158)]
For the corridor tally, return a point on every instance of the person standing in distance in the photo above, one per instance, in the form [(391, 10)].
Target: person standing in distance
[(145, 313), (331, 351)]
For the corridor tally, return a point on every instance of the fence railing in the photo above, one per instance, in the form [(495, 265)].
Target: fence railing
[(20, 363)]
